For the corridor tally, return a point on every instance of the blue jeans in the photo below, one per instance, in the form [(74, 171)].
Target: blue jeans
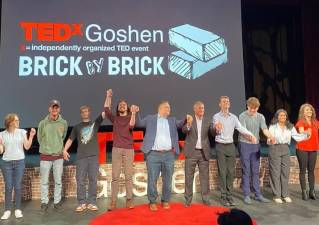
[(250, 160), (13, 171), (87, 167), (159, 162), (45, 168)]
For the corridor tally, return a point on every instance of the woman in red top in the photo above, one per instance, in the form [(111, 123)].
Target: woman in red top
[(307, 150)]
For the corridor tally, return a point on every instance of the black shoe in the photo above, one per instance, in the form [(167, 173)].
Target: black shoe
[(44, 207), (312, 195), (304, 195), (224, 201), (231, 201), (58, 205)]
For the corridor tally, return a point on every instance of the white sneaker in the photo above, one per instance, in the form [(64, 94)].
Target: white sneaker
[(18, 213), (287, 199), (278, 200), (6, 215)]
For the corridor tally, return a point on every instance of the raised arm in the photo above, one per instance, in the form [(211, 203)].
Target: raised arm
[(108, 99), (134, 110), (188, 125), (28, 141), (108, 104)]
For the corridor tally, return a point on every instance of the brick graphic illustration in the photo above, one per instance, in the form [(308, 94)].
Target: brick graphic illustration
[(191, 68), (200, 51), (203, 45)]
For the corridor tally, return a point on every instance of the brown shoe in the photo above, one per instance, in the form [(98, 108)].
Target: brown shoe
[(112, 206), (165, 205), (153, 207), (129, 204)]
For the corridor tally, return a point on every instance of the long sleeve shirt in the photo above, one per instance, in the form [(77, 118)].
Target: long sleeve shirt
[(163, 138), (284, 135), (229, 123)]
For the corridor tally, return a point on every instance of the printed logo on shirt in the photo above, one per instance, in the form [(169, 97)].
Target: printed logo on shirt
[(86, 134)]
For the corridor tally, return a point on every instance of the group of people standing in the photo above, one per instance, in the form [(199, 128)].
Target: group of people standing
[(160, 147)]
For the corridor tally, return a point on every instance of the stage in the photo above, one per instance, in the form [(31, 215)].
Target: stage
[(296, 213)]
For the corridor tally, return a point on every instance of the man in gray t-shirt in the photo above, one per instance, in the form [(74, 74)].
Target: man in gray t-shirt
[(250, 152)]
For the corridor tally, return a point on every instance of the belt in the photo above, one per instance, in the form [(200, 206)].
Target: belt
[(225, 143), (199, 149), (162, 151)]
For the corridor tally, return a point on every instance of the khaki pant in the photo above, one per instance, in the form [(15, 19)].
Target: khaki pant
[(122, 157)]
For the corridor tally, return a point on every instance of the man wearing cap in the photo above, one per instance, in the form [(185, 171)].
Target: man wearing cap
[(51, 133)]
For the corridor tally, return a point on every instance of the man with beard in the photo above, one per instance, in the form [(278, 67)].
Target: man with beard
[(122, 152)]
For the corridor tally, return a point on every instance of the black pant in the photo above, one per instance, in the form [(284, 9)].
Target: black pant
[(226, 157), (198, 158), (307, 161)]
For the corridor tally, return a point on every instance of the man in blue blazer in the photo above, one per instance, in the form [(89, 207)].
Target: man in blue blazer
[(160, 146)]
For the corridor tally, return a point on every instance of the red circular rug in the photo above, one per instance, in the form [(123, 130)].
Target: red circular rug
[(178, 214)]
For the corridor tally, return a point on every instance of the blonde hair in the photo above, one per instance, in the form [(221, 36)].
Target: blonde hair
[(9, 119), (253, 102), (301, 115)]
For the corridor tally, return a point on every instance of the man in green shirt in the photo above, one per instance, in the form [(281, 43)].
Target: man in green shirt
[(51, 133)]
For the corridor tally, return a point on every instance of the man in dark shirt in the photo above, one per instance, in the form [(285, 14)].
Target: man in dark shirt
[(87, 158), (122, 151)]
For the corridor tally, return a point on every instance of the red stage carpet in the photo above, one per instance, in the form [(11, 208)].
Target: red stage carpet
[(197, 214)]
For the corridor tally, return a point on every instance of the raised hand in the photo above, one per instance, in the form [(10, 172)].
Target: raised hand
[(134, 109), (189, 119), (137, 109), (32, 132), (109, 93), (218, 127)]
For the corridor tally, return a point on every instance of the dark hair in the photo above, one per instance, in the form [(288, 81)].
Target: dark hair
[(117, 107), (275, 119), (234, 217)]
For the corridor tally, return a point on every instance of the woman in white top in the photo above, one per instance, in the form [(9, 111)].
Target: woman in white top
[(12, 141), (279, 158)]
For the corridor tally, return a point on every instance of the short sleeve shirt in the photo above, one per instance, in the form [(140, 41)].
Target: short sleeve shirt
[(253, 124), (13, 144), (86, 135)]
